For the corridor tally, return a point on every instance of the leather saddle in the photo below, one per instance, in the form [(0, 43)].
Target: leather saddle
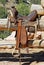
[(31, 17), (21, 31)]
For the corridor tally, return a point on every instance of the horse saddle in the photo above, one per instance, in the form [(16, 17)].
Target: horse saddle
[(31, 17)]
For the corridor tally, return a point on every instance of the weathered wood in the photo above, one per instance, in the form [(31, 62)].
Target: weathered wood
[(12, 29)]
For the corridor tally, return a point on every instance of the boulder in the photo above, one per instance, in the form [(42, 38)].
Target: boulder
[(42, 22), (11, 37), (4, 22), (42, 3), (38, 8), (36, 43)]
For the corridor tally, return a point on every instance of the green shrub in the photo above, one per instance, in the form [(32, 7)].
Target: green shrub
[(35, 1), (4, 34), (22, 8), (3, 1), (3, 12)]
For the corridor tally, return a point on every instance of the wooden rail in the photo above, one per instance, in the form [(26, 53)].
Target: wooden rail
[(3, 28)]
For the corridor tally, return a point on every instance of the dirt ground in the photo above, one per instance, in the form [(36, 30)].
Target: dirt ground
[(35, 57)]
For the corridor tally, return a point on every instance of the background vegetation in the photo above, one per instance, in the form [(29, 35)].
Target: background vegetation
[(3, 12), (22, 8), (3, 2), (4, 34), (36, 1), (32, 1)]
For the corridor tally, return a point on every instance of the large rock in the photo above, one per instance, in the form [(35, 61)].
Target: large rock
[(42, 22), (42, 34), (11, 37), (36, 43), (4, 22), (38, 8), (42, 3)]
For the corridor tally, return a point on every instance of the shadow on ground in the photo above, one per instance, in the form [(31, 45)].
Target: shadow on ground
[(28, 58)]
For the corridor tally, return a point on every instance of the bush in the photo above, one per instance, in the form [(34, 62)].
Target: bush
[(4, 34), (3, 12), (3, 1), (22, 8), (36, 1)]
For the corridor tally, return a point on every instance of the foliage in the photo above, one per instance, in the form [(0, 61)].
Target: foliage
[(3, 1), (4, 34), (22, 8), (3, 12), (20, 1), (35, 1), (32, 1)]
